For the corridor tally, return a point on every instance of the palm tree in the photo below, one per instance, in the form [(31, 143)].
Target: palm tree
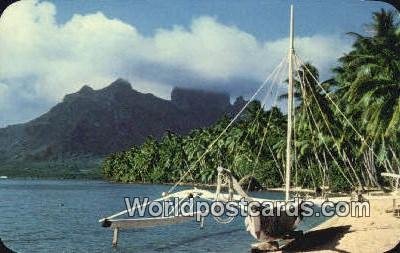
[(370, 77)]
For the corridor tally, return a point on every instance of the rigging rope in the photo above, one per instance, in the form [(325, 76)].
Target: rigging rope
[(226, 128), (320, 166), (305, 113), (276, 163), (266, 127), (329, 129), (329, 152), (338, 108), (309, 112), (273, 82), (263, 102)]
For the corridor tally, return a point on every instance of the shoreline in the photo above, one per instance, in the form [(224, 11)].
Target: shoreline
[(196, 185), (377, 233), (302, 191)]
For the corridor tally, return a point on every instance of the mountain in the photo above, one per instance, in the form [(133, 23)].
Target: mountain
[(95, 123)]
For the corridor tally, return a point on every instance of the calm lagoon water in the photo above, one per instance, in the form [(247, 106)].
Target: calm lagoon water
[(61, 216)]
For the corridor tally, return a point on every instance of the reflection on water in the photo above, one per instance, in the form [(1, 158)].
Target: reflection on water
[(61, 216)]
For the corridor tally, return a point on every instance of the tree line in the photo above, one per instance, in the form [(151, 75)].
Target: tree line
[(338, 145)]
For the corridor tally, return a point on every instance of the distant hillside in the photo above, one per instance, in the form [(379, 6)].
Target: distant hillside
[(95, 123)]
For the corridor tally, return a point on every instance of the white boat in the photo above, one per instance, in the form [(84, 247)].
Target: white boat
[(278, 226), (263, 228), (3, 177)]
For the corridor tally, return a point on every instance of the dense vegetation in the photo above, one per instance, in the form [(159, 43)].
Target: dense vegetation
[(330, 150)]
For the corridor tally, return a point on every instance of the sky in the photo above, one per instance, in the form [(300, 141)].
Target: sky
[(52, 48)]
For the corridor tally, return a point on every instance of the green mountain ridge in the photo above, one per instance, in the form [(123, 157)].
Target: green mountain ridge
[(90, 124)]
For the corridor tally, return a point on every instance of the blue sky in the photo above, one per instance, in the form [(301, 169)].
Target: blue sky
[(265, 19), (52, 48)]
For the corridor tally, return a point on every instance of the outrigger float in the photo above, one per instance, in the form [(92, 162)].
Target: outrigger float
[(273, 230)]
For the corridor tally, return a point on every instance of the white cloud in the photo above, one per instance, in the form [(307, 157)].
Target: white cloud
[(43, 60), (211, 49)]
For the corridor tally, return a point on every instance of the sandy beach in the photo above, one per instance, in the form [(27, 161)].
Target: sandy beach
[(378, 233)]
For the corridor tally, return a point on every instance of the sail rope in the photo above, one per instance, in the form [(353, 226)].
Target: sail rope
[(330, 130), (363, 140), (275, 100), (319, 132), (361, 137), (226, 128), (320, 165), (272, 77), (302, 82), (279, 168), (302, 79), (271, 90), (327, 148)]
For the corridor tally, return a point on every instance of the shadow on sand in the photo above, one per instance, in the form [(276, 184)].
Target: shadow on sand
[(323, 239)]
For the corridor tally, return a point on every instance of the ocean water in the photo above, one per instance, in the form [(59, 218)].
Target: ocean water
[(62, 216)]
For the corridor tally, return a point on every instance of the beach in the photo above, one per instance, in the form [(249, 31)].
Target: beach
[(380, 232)]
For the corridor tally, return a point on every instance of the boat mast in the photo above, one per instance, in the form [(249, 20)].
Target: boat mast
[(290, 107)]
